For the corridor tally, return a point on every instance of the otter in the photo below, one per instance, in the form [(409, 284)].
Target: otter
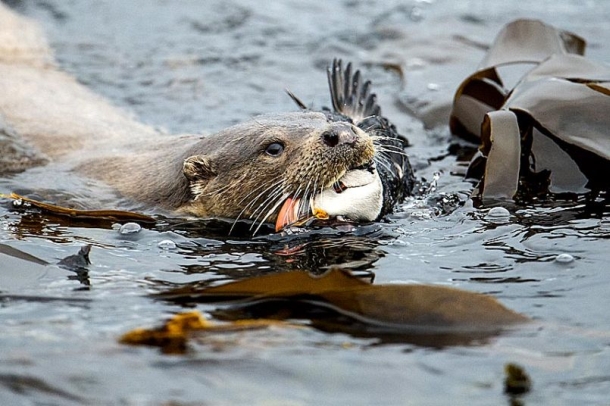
[(346, 163)]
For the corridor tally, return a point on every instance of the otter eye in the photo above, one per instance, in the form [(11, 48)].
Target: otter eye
[(275, 149)]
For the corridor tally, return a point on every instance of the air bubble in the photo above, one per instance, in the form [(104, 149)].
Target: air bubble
[(432, 185), (564, 258), (130, 228), (416, 14), (498, 215), (167, 245)]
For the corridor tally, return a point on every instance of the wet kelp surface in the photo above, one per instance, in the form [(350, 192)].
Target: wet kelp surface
[(336, 301), (548, 133), (198, 68)]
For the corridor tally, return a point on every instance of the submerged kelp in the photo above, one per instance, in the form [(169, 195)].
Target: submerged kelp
[(339, 301), (548, 133), (172, 337)]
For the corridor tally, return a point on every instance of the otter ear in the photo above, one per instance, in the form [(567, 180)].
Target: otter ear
[(198, 168)]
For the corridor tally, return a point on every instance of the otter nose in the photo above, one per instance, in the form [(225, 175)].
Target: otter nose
[(338, 136)]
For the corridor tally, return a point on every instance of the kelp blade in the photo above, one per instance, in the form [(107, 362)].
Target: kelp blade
[(500, 132), (118, 215), (561, 99), (397, 307), (530, 41), (172, 337), (572, 110)]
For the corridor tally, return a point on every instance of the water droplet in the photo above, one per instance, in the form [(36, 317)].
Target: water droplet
[(432, 185), (498, 212), (130, 228), (433, 86), (416, 14), (167, 245), (564, 258), (416, 63), (498, 215)]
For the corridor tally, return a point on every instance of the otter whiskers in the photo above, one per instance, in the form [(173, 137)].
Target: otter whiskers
[(225, 188), (272, 183), (270, 212), (281, 193)]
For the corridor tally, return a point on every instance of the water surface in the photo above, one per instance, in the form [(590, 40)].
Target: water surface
[(198, 67)]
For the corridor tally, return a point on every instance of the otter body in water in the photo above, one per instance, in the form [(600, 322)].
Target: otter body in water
[(348, 163)]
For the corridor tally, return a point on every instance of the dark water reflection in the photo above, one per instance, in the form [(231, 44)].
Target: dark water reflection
[(315, 249), (198, 67)]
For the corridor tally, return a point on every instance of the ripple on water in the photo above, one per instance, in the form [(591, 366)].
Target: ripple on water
[(207, 65)]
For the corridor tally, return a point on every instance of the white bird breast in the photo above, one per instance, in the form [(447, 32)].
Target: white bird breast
[(361, 200)]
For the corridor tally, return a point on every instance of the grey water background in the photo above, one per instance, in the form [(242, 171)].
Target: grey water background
[(197, 67)]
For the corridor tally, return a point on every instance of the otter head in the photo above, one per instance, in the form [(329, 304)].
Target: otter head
[(283, 168)]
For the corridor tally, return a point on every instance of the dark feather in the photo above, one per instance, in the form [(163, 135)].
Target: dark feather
[(349, 96), (353, 100), (295, 99)]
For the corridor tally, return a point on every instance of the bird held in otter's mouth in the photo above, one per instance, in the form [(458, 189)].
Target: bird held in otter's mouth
[(362, 192)]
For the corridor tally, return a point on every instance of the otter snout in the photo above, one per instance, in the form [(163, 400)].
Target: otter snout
[(338, 135)]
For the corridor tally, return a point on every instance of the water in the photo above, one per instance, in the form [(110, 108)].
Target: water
[(200, 66)]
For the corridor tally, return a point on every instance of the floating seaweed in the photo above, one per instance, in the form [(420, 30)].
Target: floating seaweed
[(546, 135), (116, 215), (339, 301)]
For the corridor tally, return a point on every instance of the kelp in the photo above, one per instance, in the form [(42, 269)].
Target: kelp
[(172, 336), (116, 215), (19, 269), (339, 301), (547, 134), (516, 381), (335, 301), (15, 253)]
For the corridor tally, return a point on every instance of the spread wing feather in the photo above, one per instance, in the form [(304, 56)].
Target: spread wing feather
[(351, 98), (349, 95)]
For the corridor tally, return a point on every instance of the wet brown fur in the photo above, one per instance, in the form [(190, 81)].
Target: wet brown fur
[(227, 174)]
